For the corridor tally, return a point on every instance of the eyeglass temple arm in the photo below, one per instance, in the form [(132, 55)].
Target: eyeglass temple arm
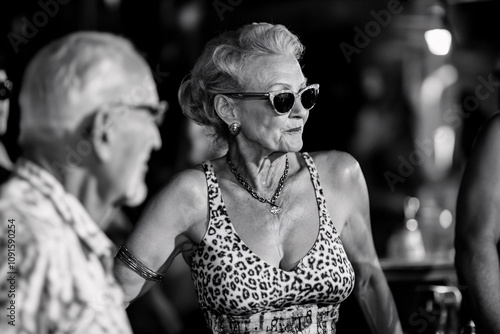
[(260, 96)]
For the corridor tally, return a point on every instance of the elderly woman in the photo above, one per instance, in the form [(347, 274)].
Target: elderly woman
[(274, 237)]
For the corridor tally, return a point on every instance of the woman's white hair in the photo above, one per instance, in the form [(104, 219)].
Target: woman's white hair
[(222, 68)]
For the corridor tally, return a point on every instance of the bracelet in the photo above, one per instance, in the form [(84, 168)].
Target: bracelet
[(136, 265)]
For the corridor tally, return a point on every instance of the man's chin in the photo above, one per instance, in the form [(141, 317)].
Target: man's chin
[(136, 196)]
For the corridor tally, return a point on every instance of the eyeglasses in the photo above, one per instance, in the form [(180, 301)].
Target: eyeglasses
[(5, 89), (157, 111), (284, 100)]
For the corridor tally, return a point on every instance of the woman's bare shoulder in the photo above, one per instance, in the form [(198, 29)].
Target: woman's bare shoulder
[(339, 166), (183, 198), (187, 182), (344, 185)]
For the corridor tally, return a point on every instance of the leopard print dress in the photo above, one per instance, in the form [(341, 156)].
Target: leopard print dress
[(241, 293)]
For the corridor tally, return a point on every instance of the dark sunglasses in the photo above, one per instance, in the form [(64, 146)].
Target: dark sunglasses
[(5, 89), (283, 100)]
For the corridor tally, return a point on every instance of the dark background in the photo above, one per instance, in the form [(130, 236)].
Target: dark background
[(171, 35)]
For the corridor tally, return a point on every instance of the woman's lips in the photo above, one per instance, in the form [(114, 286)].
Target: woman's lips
[(294, 130)]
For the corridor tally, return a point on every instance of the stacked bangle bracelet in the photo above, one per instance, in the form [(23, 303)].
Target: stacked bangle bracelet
[(136, 265)]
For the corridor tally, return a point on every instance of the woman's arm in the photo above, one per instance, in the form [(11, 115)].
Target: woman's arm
[(172, 222), (477, 233), (371, 289)]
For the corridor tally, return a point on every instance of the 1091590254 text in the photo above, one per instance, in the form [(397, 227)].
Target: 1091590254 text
[(11, 272)]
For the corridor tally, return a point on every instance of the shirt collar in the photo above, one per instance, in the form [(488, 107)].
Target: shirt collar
[(67, 205)]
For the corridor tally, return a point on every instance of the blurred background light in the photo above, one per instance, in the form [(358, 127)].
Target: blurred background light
[(112, 3), (444, 145), (412, 224), (190, 16), (438, 41), (445, 219)]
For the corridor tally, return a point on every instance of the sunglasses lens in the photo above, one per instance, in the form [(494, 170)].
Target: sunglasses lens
[(283, 102), (309, 98)]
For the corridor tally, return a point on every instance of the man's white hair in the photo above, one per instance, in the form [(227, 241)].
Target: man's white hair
[(56, 83)]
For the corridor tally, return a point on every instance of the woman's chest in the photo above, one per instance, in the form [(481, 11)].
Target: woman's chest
[(282, 239), (227, 272)]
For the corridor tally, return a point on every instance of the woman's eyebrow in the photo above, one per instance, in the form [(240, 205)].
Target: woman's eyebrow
[(274, 84), (287, 85)]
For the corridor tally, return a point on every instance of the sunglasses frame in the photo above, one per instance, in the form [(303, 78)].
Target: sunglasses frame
[(271, 95)]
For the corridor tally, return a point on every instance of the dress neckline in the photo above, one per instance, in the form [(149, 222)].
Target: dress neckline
[(323, 214)]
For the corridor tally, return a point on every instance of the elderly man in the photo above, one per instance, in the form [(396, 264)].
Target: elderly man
[(89, 109)]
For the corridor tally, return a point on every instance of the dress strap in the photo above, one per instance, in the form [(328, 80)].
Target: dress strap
[(215, 203), (320, 197)]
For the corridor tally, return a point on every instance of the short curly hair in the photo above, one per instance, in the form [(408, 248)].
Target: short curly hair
[(221, 68)]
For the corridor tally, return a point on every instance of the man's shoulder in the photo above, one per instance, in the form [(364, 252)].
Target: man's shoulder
[(33, 212), (15, 189), (18, 190)]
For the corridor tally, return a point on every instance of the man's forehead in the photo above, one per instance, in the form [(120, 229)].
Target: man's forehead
[(136, 87), (139, 88)]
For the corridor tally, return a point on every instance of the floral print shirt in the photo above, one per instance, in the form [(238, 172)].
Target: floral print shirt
[(55, 262)]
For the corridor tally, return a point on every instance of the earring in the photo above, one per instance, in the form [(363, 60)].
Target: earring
[(234, 128)]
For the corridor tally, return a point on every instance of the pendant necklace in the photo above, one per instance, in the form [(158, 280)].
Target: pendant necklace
[(274, 208)]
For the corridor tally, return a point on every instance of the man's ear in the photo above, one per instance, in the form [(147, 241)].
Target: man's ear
[(226, 109), (102, 134)]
